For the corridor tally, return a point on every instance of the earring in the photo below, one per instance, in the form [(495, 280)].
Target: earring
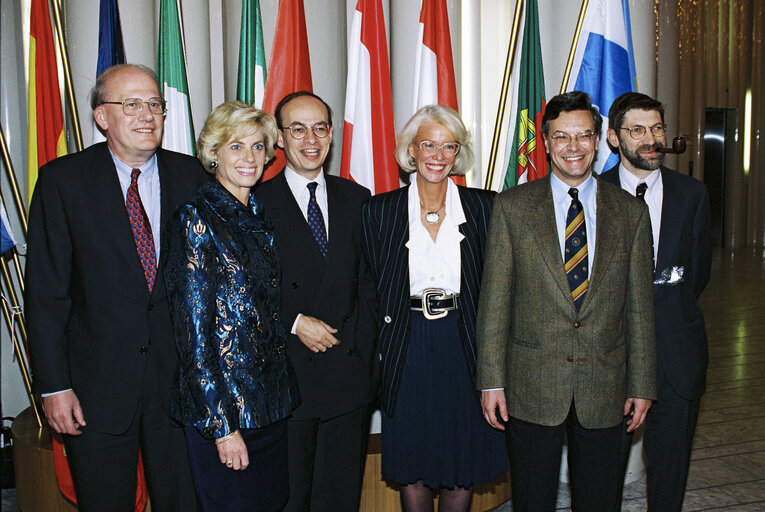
[(213, 164)]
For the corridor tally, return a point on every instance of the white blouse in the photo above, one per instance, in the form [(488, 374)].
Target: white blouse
[(435, 264)]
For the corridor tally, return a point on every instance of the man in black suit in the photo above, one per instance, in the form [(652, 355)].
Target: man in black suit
[(679, 209), (102, 348), (327, 300)]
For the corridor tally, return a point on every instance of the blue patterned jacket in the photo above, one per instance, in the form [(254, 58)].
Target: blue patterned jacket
[(223, 284)]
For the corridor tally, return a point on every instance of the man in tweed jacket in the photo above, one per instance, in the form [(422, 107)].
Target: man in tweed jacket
[(549, 365)]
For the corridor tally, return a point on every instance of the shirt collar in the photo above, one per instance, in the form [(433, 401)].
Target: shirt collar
[(453, 207), (630, 182), (298, 181), (560, 189), (148, 168)]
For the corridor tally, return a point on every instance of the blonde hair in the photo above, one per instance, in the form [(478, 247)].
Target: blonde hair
[(230, 121), (449, 119)]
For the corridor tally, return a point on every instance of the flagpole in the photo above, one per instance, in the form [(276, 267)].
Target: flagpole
[(20, 358), (67, 74), (14, 182), (503, 94), (572, 51)]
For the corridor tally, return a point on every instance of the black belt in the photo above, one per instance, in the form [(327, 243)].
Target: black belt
[(437, 303)]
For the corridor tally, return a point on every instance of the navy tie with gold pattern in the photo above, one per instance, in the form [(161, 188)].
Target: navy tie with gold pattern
[(316, 220), (139, 222), (575, 262)]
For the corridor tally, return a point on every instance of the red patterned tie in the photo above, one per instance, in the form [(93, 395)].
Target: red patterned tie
[(144, 241)]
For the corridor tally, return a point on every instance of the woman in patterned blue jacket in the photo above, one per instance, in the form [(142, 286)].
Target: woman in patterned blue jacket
[(234, 386)]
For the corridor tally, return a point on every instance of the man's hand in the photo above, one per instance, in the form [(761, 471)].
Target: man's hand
[(315, 334), (64, 413), (490, 401), (637, 409)]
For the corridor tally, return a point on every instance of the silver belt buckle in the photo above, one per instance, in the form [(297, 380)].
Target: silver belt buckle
[(428, 313)]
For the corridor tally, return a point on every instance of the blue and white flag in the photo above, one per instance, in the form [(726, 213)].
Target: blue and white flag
[(7, 241), (111, 51), (604, 63)]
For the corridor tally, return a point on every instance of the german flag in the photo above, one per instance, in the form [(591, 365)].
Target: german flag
[(45, 135)]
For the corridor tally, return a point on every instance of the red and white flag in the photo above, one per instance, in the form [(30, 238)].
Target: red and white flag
[(289, 69), (434, 67), (369, 140)]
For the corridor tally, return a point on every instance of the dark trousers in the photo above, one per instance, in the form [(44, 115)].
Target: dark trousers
[(104, 465), (326, 462), (262, 487), (593, 458), (669, 430)]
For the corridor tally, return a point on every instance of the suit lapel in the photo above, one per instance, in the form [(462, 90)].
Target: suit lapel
[(546, 234), (109, 211), (605, 236), (671, 211)]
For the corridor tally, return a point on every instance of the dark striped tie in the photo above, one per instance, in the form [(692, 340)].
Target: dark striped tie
[(316, 220), (640, 194), (575, 262)]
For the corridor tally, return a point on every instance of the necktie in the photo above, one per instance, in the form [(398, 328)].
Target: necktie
[(576, 249), (144, 240), (640, 194), (316, 220)]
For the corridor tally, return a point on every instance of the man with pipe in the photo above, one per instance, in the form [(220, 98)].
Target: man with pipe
[(679, 208)]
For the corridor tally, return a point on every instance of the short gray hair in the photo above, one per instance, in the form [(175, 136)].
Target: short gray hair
[(449, 119), (97, 92)]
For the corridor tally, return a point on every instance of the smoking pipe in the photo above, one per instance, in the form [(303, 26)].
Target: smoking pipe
[(678, 146)]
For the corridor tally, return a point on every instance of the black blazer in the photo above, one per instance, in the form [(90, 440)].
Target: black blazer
[(386, 231), (684, 245), (339, 292), (93, 326)]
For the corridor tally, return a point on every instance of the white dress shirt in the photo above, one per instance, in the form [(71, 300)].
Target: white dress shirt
[(299, 186), (435, 264), (654, 196), (588, 192)]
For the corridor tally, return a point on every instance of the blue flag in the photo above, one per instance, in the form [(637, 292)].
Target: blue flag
[(604, 63), (6, 235), (110, 48)]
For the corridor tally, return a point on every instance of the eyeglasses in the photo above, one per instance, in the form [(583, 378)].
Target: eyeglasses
[(133, 106), (638, 132), (429, 148), (562, 140), (299, 130)]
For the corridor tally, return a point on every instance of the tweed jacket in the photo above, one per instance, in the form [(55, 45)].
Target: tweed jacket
[(683, 265), (223, 284), (385, 222), (531, 339)]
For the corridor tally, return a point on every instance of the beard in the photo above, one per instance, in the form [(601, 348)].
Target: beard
[(640, 162)]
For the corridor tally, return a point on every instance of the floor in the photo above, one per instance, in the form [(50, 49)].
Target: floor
[(728, 463), (727, 469)]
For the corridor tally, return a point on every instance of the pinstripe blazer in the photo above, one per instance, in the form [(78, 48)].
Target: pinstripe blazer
[(385, 223), (531, 339)]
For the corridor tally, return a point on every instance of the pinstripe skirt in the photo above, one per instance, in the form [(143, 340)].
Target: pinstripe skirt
[(437, 433)]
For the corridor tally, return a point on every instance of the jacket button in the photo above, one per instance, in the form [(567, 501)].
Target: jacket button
[(274, 282), (387, 319), (346, 318), (275, 316), (294, 286), (570, 359), (143, 350), (349, 352), (577, 325), (151, 307), (310, 358)]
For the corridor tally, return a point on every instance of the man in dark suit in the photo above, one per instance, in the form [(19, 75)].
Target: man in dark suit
[(565, 321), (679, 208), (327, 297), (102, 348)]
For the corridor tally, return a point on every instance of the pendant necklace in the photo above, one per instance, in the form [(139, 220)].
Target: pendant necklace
[(433, 217)]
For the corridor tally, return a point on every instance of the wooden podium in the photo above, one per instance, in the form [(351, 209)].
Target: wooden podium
[(37, 489)]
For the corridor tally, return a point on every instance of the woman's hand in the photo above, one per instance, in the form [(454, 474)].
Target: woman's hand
[(232, 451)]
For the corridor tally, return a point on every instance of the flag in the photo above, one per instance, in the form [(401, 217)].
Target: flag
[(251, 81), (434, 68), (171, 74), (45, 133), (525, 153), (369, 141), (604, 63), (289, 69), (111, 51), (7, 241)]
